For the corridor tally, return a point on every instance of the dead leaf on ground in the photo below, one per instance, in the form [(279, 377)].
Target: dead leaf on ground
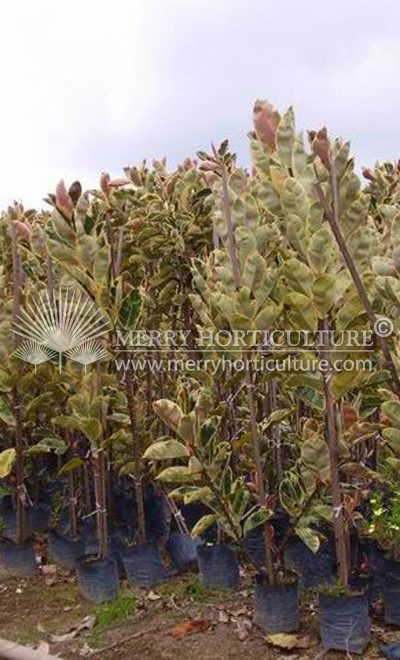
[(85, 651), (44, 648), (223, 616), (190, 627), (243, 628), (86, 624), (50, 574), (285, 641), (153, 596), (241, 612)]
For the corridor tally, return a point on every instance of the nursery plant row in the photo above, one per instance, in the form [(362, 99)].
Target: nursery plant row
[(125, 460)]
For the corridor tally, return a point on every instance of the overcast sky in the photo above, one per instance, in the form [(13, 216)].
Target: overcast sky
[(89, 86)]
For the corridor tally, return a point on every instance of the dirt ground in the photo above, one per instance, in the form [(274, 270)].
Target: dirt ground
[(139, 624)]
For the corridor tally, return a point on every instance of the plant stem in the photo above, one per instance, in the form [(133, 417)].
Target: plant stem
[(249, 383), (137, 477), (257, 457), (100, 496), (86, 483), (333, 219), (19, 443), (230, 226), (338, 517), (72, 505)]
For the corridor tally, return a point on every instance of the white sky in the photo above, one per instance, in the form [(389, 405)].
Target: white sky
[(92, 85)]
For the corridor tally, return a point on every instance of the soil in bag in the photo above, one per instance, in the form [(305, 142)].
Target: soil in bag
[(219, 566), (143, 565), (345, 624), (276, 607), (17, 558), (98, 578)]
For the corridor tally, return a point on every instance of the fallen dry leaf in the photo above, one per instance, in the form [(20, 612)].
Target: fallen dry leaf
[(243, 628), (153, 596), (190, 627), (44, 648), (241, 612), (85, 651), (285, 641), (50, 574), (223, 616), (86, 624)]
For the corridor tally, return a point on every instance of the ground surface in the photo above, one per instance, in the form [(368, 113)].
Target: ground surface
[(140, 624)]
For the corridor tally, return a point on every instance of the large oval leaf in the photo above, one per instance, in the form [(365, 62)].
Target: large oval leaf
[(164, 450)]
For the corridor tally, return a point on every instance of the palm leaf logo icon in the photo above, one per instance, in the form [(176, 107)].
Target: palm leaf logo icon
[(60, 324), (31, 351), (87, 353)]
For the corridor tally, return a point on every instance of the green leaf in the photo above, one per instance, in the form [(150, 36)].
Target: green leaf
[(392, 437), (79, 405), (176, 475), (309, 537), (62, 227), (391, 410), (204, 523), (130, 310), (294, 199), (67, 422), (341, 383), (267, 317), (5, 381), (73, 464), (254, 272), (101, 263), (92, 428), (324, 290), (298, 276), (195, 466), (320, 249), (202, 494), (301, 311), (256, 519), (5, 412), (165, 450), (7, 458), (274, 418), (285, 137)]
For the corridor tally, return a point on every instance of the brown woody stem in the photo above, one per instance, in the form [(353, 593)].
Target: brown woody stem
[(333, 219)]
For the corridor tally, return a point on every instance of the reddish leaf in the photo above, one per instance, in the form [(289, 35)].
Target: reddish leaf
[(322, 148), (349, 415), (186, 628), (265, 121)]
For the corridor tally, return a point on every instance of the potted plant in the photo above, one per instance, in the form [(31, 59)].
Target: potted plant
[(97, 571)]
